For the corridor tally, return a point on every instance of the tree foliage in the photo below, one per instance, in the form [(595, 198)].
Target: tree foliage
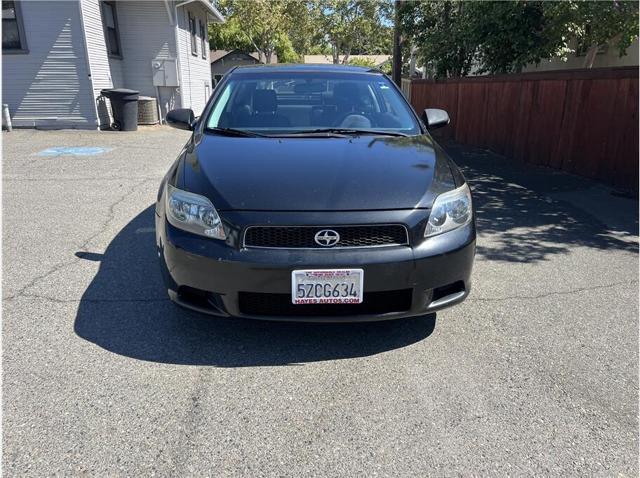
[(598, 23), (256, 25), (453, 38), (353, 26), (441, 31), (502, 37), (362, 62), (228, 35), (293, 28), (285, 51)]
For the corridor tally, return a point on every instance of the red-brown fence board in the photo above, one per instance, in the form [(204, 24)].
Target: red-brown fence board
[(623, 159), (581, 121)]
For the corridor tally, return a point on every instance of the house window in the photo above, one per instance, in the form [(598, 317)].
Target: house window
[(204, 39), (13, 38), (194, 39), (111, 33)]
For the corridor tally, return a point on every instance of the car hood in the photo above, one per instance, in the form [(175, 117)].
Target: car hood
[(315, 174)]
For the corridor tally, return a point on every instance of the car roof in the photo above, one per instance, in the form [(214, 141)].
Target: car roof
[(305, 67)]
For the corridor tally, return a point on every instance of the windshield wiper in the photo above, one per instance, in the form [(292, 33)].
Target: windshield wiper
[(236, 132), (345, 131)]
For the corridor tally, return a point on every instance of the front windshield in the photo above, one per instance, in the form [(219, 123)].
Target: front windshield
[(299, 102)]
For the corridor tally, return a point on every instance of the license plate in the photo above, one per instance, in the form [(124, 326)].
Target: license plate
[(327, 286)]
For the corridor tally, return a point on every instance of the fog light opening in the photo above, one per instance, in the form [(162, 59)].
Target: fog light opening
[(440, 294), (193, 296), (201, 299)]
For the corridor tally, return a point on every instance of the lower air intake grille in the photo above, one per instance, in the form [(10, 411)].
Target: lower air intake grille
[(291, 237), (374, 303)]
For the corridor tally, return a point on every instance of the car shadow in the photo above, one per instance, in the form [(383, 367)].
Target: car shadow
[(125, 310)]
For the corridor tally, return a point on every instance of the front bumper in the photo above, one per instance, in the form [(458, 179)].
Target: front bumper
[(211, 276)]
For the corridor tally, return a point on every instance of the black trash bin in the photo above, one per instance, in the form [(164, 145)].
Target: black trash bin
[(124, 106)]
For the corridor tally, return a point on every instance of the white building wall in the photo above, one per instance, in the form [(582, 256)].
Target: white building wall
[(146, 32), (117, 75), (58, 82), (195, 72), (98, 58), (50, 86)]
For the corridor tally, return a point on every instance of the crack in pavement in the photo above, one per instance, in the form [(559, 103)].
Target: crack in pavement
[(83, 247), (541, 296)]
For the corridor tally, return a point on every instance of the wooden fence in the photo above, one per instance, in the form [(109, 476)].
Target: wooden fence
[(581, 121)]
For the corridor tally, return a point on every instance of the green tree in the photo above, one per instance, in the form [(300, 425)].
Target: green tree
[(503, 37), (303, 28), (511, 35), (320, 49), (362, 62), (263, 22), (506, 36), (284, 50), (228, 35), (255, 25), (349, 25), (592, 24), (441, 32), (292, 28)]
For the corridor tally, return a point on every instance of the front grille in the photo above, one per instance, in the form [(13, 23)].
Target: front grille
[(279, 305), (291, 237)]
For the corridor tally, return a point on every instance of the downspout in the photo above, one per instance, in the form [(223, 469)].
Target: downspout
[(6, 118), (168, 8), (86, 54), (158, 96), (177, 40), (158, 105)]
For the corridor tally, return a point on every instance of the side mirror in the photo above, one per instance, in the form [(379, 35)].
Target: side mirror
[(435, 118), (181, 118)]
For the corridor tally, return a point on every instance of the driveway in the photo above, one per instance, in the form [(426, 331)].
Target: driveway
[(536, 373)]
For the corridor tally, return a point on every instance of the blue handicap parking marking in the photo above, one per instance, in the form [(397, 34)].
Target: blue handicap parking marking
[(73, 151)]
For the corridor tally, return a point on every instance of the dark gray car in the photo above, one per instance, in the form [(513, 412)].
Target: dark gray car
[(313, 193)]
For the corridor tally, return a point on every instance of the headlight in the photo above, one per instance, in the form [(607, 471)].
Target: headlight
[(450, 210), (193, 213)]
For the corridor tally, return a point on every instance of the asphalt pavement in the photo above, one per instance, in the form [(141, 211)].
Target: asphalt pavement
[(535, 374)]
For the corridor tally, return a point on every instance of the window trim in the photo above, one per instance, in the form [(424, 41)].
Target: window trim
[(24, 48), (193, 33), (204, 40), (112, 4)]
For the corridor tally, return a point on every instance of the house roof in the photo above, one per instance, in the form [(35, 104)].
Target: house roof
[(328, 59), (215, 55), (213, 15)]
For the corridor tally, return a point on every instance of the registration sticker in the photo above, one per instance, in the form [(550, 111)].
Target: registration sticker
[(327, 286)]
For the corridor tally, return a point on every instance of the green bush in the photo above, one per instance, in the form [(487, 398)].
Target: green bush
[(362, 62)]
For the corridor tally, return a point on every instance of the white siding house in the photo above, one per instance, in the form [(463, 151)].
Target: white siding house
[(195, 71), (69, 50), (48, 82)]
